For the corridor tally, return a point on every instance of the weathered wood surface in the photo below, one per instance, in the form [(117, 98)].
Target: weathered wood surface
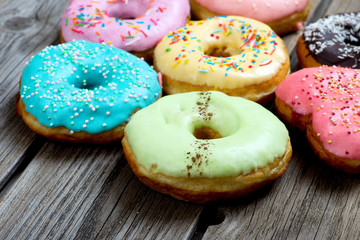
[(52, 190), (310, 201)]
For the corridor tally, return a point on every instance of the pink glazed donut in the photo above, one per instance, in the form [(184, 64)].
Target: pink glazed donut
[(325, 102), (132, 25), (281, 15)]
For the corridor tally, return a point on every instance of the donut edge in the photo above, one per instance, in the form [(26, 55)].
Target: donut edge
[(250, 92), (306, 60), (304, 123), (281, 26), (63, 134), (202, 190), (145, 55)]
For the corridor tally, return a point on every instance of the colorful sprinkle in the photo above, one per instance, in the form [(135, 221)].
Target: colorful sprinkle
[(80, 85)]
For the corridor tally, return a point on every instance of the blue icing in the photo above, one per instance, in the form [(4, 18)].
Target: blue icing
[(86, 86)]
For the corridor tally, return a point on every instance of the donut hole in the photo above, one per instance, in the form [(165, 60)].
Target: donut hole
[(352, 40), (86, 84), (220, 51), (206, 133), (129, 11), (352, 34)]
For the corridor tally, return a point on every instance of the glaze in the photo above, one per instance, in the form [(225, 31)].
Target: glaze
[(255, 54), (331, 96), (264, 11), (335, 40), (251, 136), (86, 86), (130, 25)]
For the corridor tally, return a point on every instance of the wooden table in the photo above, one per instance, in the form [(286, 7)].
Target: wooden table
[(51, 190)]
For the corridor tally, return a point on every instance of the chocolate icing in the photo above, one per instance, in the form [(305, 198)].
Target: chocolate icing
[(335, 40)]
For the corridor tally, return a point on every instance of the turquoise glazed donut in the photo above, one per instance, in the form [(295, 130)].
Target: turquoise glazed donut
[(82, 91)]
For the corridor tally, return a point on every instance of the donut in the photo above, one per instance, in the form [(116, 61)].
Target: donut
[(282, 16), (84, 92), (235, 55), (324, 101), (208, 146), (332, 41), (135, 26)]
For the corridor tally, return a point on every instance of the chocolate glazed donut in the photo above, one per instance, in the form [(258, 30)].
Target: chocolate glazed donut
[(333, 40)]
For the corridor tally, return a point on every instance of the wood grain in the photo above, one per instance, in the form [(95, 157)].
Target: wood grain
[(63, 191), (310, 201), (52, 190), (88, 192), (25, 28)]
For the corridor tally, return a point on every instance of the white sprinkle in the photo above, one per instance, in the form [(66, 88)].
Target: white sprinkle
[(131, 42)]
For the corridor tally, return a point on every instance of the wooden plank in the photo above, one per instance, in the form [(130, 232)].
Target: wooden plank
[(63, 191), (310, 201), (89, 192), (26, 28)]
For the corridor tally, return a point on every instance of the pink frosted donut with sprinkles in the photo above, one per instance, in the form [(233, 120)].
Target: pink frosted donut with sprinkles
[(281, 15), (132, 25), (235, 55), (325, 102)]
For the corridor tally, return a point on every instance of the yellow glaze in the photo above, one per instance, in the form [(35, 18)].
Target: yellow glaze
[(255, 53)]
